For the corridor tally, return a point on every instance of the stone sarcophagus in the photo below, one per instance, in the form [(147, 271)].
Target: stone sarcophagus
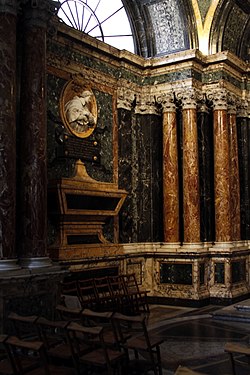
[(79, 208)]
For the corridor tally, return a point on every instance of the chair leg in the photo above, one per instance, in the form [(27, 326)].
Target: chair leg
[(232, 363)]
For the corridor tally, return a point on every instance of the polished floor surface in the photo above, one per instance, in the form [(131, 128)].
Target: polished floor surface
[(196, 338)]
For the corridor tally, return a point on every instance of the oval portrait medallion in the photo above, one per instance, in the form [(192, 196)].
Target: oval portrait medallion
[(78, 109)]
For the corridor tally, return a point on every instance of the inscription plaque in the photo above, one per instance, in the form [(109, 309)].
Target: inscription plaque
[(80, 148)]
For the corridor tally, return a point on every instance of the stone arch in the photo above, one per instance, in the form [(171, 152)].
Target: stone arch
[(230, 29), (162, 27)]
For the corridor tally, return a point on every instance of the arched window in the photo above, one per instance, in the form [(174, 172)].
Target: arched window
[(105, 20)]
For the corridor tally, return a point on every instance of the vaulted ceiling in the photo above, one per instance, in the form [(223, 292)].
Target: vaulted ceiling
[(166, 26)]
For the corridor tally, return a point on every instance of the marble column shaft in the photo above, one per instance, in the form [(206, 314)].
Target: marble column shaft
[(221, 172), (8, 129), (33, 185), (191, 194), (170, 174), (234, 176)]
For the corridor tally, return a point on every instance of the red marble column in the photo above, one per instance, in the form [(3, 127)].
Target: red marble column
[(221, 169), (191, 194), (8, 11), (234, 174), (170, 172), (33, 185)]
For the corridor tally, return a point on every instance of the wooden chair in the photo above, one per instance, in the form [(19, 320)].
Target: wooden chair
[(101, 319), (104, 301), (69, 314), (233, 349), (29, 357), (98, 354), (6, 367), (120, 298), (133, 335), (138, 297), (69, 294), (53, 334), (24, 326), (86, 294)]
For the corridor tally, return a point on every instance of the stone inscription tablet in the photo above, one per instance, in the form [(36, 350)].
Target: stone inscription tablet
[(83, 149)]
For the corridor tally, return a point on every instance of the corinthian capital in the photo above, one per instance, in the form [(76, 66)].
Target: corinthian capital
[(188, 98), (167, 102), (243, 108), (125, 98), (145, 104), (219, 98)]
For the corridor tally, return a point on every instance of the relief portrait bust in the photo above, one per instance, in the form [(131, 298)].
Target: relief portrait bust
[(78, 109)]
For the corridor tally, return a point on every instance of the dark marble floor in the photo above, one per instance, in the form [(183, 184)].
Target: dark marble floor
[(196, 338)]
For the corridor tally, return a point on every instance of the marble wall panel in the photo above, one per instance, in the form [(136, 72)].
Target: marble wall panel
[(243, 132), (206, 174), (140, 170)]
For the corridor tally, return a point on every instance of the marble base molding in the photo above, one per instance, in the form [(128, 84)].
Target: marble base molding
[(38, 262), (9, 265)]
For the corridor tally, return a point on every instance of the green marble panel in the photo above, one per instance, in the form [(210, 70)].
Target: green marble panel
[(173, 273), (219, 273)]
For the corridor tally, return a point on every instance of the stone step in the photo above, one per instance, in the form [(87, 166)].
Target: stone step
[(236, 312)]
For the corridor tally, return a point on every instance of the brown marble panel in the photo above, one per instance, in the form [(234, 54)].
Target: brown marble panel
[(234, 177), (222, 177), (33, 186), (170, 178), (191, 200), (7, 134)]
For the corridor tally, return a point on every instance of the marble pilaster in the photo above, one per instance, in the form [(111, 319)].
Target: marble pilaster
[(8, 20), (221, 168), (234, 172), (191, 194), (170, 172), (33, 168)]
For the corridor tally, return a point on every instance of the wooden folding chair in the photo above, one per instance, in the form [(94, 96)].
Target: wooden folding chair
[(133, 336), (98, 354), (29, 357)]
